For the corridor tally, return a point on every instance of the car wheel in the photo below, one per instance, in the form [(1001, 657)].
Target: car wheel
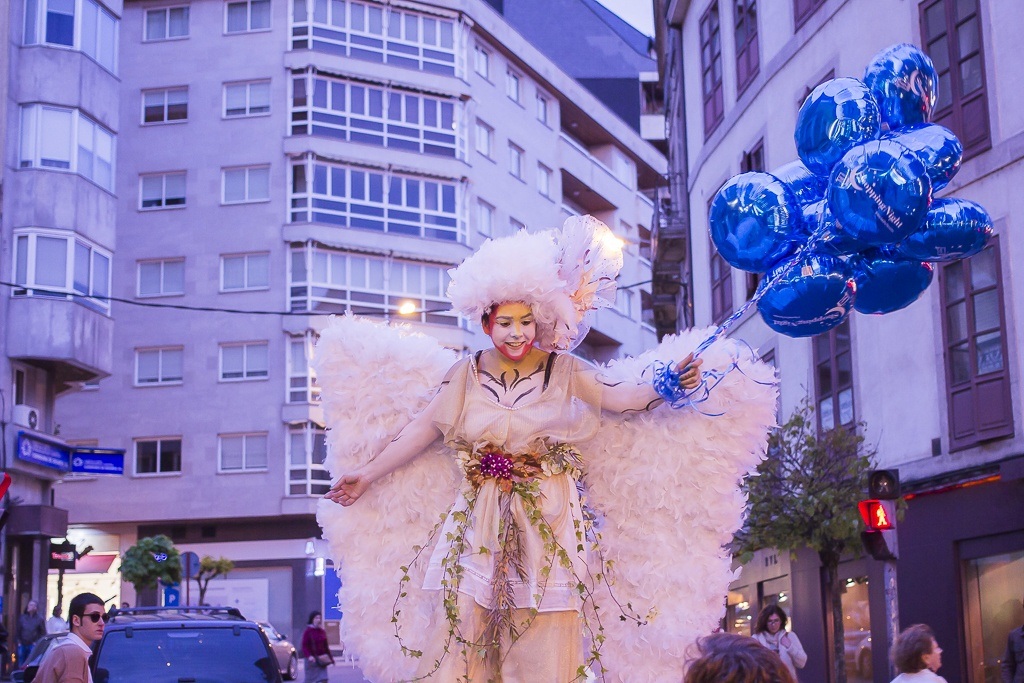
[(865, 665), (293, 669)]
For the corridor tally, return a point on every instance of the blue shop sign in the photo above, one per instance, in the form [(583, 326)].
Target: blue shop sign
[(97, 461), (45, 453)]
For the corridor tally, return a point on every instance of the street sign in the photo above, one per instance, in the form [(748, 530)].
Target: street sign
[(44, 453), (97, 461), (189, 565), (172, 596)]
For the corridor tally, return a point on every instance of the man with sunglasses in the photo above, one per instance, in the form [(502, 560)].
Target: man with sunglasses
[(68, 662)]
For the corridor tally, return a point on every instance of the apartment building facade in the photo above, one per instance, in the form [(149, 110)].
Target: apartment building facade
[(936, 385), (281, 162)]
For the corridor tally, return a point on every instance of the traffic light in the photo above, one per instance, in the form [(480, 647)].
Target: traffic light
[(879, 514), (884, 484)]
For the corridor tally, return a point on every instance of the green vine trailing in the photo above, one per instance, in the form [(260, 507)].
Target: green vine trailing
[(517, 477)]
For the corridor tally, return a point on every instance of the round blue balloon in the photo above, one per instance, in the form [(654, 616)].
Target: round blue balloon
[(953, 229), (905, 84), (754, 221), (813, 294), (807, 187), (834, 241), (936, 145), (887, 283), (836, 116), (880, 192)]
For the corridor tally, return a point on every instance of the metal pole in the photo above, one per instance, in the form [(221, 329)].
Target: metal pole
[(892, 610)]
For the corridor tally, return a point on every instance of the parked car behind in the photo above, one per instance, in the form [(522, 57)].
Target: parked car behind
[(195, 644), (287, 659), (27, 673)]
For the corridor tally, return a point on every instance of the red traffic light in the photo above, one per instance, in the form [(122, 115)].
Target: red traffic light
[(5, 483), (877, 515)]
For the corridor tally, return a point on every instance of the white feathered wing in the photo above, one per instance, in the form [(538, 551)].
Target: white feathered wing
[(664, 483)]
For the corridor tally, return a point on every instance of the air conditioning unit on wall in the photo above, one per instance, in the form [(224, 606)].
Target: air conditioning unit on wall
[(27, 416)]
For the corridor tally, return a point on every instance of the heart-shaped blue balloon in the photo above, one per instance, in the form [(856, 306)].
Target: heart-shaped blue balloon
[(836, 116), (887, 283), (903, 80), (812, 295), (880, 192), (937, 147), (953, 229), (754, 221)]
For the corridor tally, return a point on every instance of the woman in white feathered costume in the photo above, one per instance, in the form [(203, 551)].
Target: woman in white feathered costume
[(514, 579)]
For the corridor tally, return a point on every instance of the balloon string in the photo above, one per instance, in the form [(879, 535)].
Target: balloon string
[(812, 241)]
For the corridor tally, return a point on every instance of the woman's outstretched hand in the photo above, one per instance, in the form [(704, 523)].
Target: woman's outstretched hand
[(349, 488), (689, 370)]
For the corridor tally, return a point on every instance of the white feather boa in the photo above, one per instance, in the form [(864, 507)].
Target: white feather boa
[(665, 483)]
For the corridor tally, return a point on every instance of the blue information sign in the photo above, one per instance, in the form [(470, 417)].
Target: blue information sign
[(332, 584), (97, 461), (41, 452)]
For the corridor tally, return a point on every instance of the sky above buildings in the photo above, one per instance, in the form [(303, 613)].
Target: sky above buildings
[(639, 13)]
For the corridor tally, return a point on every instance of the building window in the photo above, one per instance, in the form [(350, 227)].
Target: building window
[(974, 337), (248, 15), (803, 9), (748, 59), (307, 450), (484, 218), (67, 140), (513, 86), (515, 160), (251, 98), (515, 226), (55, 263), (158, 366), (833, 378), (53, 22), (240, 362), (166, 23), (952, 37), (544, 180), (162, 191), (165, 105), (371, 32), (624, 302), (158, 456), (165, 277), (543, 104), (484, 138), (325, 280), (376, 200), (246, 185), (643, 236), (647, 308), (242, 272), (711, 68), (242, 452), (376, 115), (482, 62), (302, 386), (753, 160), (721, 287)]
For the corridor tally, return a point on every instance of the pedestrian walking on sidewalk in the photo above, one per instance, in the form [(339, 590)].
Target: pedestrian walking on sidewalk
[(917, 656), (770, 631), (316, 650), (68, 662)]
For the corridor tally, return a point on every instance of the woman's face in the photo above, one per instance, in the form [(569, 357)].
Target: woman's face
[(933, 660), (774, 624), (512, 329), (317, 620)]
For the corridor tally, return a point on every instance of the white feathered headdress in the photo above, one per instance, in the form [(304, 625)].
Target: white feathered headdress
[(560, 274)]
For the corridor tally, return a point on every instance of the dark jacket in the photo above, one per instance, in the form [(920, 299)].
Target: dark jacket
[(1012, 667), (31, 627)]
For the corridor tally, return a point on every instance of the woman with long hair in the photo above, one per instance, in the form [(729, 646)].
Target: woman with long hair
[(770, 631)]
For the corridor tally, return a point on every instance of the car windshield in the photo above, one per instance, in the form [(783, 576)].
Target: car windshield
[(196, 655)]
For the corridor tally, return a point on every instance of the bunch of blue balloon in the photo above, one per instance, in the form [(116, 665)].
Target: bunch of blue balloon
[(853, 224)]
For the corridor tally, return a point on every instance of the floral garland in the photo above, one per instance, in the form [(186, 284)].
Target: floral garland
[(514, 474)]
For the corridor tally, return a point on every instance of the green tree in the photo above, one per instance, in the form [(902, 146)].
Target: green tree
[(209, 569), (805, 495), (151, 559)]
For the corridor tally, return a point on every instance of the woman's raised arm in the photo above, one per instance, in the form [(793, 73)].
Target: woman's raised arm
[(625, 397)]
